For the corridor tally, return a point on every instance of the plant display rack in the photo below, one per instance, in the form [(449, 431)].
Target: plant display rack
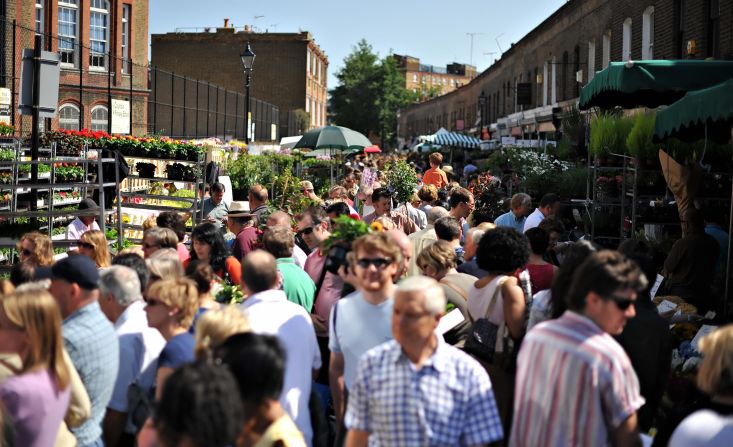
[(17, 216), (189, 171), (611, 203)]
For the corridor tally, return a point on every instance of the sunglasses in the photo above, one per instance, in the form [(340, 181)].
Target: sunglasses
[(622, 302), (306, 190), (376, 262), (86, 245), (307, 230)]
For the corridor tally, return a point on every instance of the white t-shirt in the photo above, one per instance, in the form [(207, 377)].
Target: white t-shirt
[(359, 327), (271, 313), (704, 428), (533, 220), (480, 299)]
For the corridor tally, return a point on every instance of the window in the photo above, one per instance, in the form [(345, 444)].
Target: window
[(307, 104), (98, 33), (69, 117), (591, 59), (606, 49), (647, 34), (39, 17), (100, 118), (68, 31), (414, 77), (545, 81), (126, 38), (553, 98), (626, 41)]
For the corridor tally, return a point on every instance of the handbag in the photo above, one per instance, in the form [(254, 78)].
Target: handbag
[(487, 338)]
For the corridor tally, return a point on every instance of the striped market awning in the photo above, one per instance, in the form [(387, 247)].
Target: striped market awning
[(457, 139)]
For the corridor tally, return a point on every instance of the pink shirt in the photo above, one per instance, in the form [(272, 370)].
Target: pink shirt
[(330, 290), (183, 253)]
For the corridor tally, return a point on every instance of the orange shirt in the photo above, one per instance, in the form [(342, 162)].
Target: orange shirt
[(435, 176), (232, 266)]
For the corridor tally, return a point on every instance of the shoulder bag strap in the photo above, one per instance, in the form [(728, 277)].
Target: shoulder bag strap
[(455, 288), (492, 303), (319, 284)]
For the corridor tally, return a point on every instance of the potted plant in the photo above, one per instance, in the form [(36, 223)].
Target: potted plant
[(145, 169), (639, 140)]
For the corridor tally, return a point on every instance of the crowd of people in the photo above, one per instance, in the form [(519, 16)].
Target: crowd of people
[(432, 330)]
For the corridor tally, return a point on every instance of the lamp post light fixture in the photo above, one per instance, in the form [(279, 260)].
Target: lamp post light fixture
[(248, 60)]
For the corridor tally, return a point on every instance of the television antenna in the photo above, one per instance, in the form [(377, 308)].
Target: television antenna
[(472, 35)]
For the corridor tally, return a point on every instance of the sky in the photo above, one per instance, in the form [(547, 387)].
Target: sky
[(435, 31)]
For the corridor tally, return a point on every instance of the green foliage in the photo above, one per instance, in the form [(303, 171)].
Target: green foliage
[(403, 179), (184, 193), (7, 154), (230, 294), (370, 92), (608, 133), (639, 141), (572, 183), (346, 229)]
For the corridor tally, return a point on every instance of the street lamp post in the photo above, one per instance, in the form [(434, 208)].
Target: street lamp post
[(248, 60)]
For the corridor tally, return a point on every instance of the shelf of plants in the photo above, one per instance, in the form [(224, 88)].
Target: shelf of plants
[(63, 180)]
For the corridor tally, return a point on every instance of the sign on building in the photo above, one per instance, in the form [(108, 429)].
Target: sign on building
[(49, 84), (5, 104), (273, 131), (120, 116)]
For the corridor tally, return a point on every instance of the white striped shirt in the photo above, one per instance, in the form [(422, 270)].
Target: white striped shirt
[(575, 385)]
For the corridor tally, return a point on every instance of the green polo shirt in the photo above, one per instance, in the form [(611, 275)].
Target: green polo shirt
[(297, 285)]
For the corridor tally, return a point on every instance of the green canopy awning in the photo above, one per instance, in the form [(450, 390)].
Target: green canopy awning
[(708, 110), (330, 152), (651, 83)]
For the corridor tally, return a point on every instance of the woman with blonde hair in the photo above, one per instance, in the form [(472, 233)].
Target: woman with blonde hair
[(171, 306), (712, 424), (36, 249), (163, 268), (215, 326), (93, 244), (438, 261), (36, 399)]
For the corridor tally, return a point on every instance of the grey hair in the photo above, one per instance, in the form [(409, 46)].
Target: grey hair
[(122, 283), (476, 234), (436, 213), (431, 291), (521, 199)]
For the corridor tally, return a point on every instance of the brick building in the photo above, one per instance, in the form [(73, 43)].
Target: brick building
[(561, 54), (429, 80), (103, 51), (290, 69)]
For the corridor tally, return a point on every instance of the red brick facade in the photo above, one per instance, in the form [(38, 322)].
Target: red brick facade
[(92, 89), (564, 41)]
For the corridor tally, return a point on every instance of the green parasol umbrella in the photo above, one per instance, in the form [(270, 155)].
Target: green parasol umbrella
[(333, 137), (699, 114), (651, 83)]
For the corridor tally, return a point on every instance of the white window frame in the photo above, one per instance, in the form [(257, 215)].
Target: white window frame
[(97, 123), (414, 78), (606, 49), (126, 59), (39, 20), (545, 81), (66, 122), (591, 59), (98, 60), (626, 40), (553, 95), (69, 56), (647, 33)]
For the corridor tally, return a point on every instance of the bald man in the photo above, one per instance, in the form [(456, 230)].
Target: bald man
[(403, 241), (282, 218), (271, 313)]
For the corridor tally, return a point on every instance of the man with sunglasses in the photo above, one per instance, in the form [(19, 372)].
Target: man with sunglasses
[(361, 320), (575, 385)]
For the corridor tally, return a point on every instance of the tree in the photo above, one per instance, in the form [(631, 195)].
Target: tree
[(369, 93)]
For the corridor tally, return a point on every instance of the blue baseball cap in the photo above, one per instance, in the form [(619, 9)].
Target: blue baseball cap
[(77, 269)]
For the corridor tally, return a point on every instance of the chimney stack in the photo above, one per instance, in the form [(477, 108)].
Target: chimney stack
[(226, 23)]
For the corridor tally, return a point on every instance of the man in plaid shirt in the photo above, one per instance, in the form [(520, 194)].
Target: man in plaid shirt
[(417, 390)]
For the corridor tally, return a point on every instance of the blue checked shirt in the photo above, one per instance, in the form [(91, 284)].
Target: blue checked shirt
[(509, 220), (447, 402), (92, 344)]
